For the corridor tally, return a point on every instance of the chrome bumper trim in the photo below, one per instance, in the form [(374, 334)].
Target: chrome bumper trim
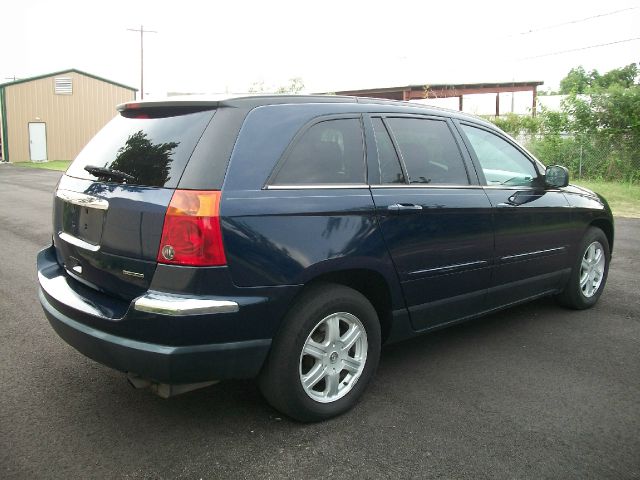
[(166, 304)]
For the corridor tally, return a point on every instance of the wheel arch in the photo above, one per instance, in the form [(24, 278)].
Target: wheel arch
[(370, 283), (607, 227)]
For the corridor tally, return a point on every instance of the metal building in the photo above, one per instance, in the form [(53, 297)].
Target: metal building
[(51, 117)]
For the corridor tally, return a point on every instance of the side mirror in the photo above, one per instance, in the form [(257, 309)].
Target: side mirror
[(556, 176)]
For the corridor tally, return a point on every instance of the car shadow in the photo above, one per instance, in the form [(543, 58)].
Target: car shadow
[(237, 405)]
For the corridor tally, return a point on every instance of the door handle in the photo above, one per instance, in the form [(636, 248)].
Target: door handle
[(519, 198), (400, 207)]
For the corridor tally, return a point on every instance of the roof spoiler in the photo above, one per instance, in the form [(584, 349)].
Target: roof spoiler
[(210, 102), (162, 104)]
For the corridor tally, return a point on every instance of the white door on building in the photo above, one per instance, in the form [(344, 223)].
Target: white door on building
[(38, 141)]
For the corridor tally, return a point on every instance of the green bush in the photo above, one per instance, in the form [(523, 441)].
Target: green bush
[(596, 134), (593, 157)]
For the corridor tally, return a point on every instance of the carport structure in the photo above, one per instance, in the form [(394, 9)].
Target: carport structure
[(420, 92)]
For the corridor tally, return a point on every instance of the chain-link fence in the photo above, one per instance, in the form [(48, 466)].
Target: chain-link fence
[(590, 157)]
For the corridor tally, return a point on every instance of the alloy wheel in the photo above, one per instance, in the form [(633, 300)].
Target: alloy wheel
[(333, 357), (592, 269)]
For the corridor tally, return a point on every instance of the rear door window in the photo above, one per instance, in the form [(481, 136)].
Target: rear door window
[(152, 151), (429, 151), (329, 152)]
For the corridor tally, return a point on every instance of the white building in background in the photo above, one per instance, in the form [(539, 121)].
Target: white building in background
[(551, 102)]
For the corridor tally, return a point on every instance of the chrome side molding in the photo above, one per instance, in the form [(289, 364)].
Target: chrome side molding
[(82, 199)]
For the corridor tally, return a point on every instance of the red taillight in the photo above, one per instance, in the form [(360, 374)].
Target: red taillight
[(191, 234)]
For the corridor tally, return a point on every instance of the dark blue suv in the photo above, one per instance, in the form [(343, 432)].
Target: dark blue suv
[(288, 237)]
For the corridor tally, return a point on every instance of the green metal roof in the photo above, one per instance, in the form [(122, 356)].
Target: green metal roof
[(25, 80)]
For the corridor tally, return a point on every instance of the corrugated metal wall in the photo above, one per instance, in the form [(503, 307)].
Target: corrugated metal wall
[(71, 120)]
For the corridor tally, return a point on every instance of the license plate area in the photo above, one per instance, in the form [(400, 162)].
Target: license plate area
[(83, 222), (82, 217)]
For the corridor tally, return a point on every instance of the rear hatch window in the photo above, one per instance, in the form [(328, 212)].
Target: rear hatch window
[(151, 148), (108, 222)]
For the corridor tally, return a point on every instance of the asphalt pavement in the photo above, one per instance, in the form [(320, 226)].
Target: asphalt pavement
[(534, 392)]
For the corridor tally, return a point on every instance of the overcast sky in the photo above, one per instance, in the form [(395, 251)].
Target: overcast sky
[(226, 46)]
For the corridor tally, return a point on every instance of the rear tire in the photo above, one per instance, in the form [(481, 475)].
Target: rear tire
[(589, 272), (324, 355)]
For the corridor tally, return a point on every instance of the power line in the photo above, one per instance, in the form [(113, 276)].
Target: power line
[(142, 32), (551, 54), (572, 22)]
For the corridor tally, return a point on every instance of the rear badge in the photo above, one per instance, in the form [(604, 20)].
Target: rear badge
[(168, 252), (133, 274)]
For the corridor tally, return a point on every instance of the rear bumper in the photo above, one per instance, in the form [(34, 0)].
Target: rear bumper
[(77, 318), (162, 363)]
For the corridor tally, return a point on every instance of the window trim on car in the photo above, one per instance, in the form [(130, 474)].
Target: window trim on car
[(268, 185), (466, 159), (537, 165), (421, 185), (394, 145), (317, 186)]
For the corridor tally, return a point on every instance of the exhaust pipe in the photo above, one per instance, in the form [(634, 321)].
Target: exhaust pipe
[(165, 390)]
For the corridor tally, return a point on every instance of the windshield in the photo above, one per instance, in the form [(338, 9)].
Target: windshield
[(150, 151)]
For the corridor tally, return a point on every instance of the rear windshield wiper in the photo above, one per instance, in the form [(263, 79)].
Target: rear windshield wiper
[(108, 173)]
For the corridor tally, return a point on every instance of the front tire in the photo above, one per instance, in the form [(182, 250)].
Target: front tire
[(589, 272), (325, 354)]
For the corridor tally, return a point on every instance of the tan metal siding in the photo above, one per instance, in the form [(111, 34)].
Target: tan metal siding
[(72, 120)]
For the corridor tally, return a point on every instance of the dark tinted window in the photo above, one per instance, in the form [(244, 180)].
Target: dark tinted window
[(429, 151), (327, 153), (154, 151), (501, 162), (390, 171)]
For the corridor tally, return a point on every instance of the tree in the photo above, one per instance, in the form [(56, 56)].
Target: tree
[(257, 87), (515, 125), (596, 132), (604, 125), (143, 159), (578, 81), (295, 85), (624, 77)]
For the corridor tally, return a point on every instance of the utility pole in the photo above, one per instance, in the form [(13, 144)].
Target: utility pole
[(142, 32)]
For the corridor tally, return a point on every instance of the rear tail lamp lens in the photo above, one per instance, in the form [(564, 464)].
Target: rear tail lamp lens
[(191, 234)]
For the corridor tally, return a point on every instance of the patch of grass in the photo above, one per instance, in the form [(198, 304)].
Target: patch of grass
[(60, 165), (623, 197)]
